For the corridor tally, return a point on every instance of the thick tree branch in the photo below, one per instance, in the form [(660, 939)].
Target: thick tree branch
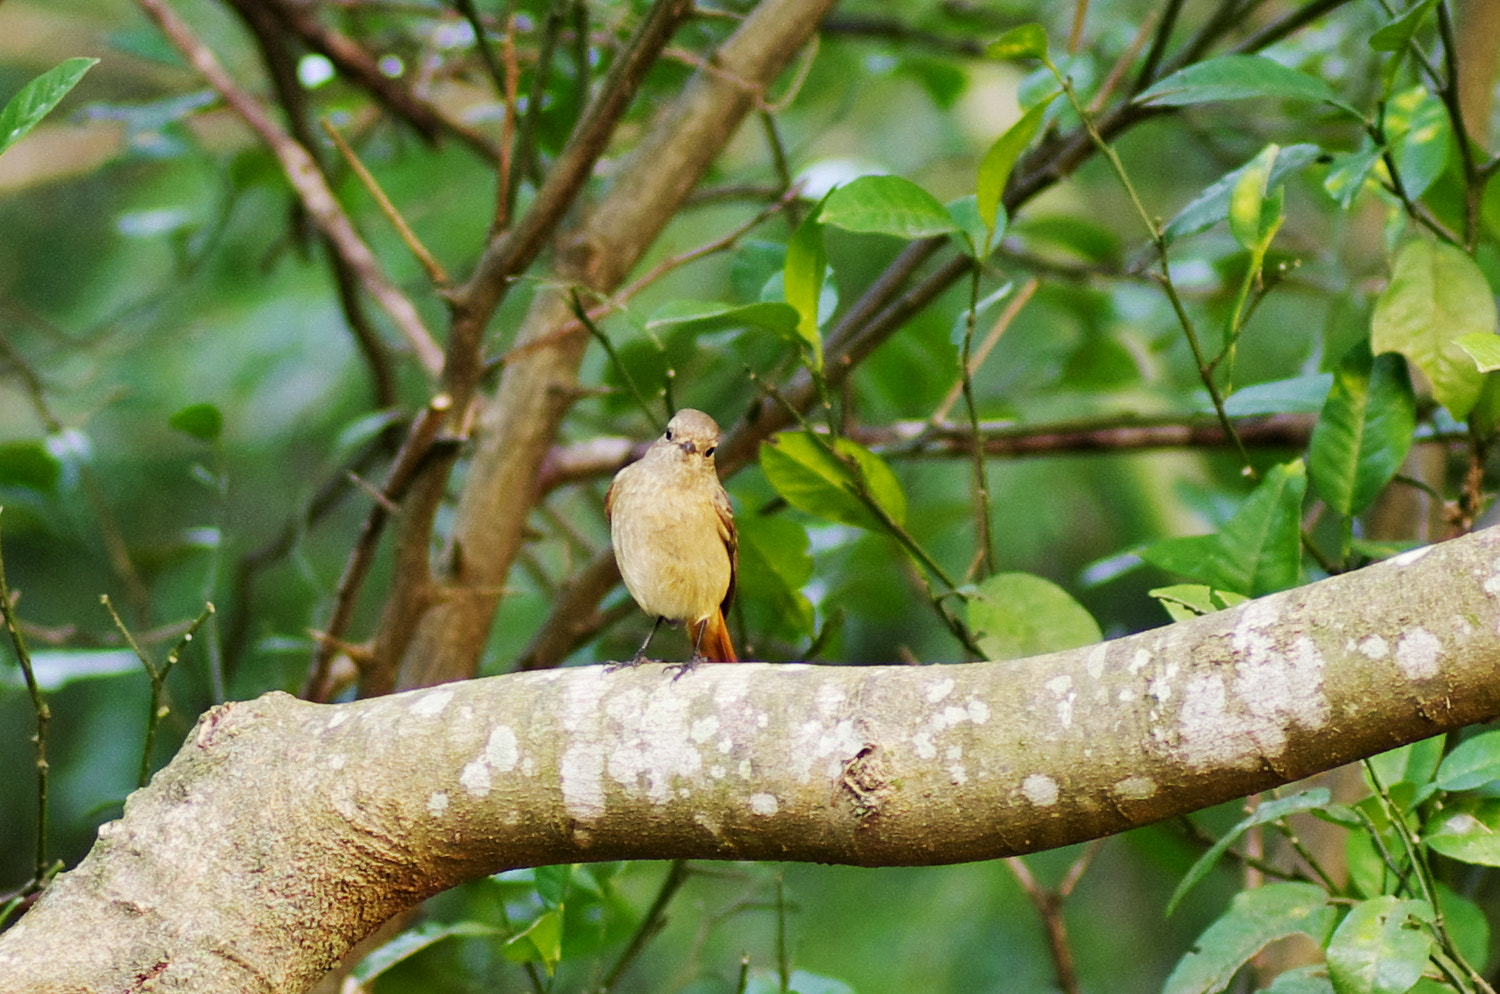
[(277, 813)]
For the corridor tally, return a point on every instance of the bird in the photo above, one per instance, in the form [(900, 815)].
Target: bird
[(673, 533)]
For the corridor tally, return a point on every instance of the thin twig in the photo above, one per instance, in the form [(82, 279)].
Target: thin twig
[(986, 539), (435, 271), (43, 717), (614, 357), (308, 182), (413, 453), (358, 65), (651, 923), (1049, 906), (1012, 309)]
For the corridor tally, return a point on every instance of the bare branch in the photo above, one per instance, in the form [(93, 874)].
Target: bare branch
[(307, 180)]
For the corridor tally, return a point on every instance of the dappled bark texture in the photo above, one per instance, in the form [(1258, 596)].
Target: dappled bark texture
[(284, 831)]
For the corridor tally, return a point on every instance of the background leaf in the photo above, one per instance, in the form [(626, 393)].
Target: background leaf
[(1020, 614), (886, 205), (1436, 295), (814, 481), (202, 421), (1258, 551), (36, 99), (1239, 77), (1255, 919), (802, 282), (1365, 430), (1376, 951)]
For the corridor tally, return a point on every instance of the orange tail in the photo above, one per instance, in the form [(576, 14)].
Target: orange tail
[(714, 641)]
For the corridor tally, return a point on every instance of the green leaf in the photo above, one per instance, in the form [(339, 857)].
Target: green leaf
[(1014, 615), (1255, 214), (1029, 41), (1416, 123), (1304, 394), (978, 236), (813, 480), (702, 316), (1310, 979), (1406, 771), (802, 281), (1199, 557), (202, 421), (996, 166), (30, 465), (1255, 919), (1474, 763), (1436, 295), (1395, 36), (1469, 833), (1350, 172), (36, 99), (1265, 535), (886, 205), (552, 883), (1184, 601), (1466, 925), (1212, 205), (1365, 430), (413, 941), (1267, 812), (1380, 947), (775, 566), (1483, 347), (1258, 551), (539, 941), (1239, 77)]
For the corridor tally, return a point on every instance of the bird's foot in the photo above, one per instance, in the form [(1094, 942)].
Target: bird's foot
[(679, 670), (632, 663)]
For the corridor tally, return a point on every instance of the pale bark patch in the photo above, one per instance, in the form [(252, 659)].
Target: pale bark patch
[(1040, 790), (764, 805), (939, 689), (431, 703), (1417, 654), (1135, 788)]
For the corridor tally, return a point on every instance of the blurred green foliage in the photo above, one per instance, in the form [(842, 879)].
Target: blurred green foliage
[(182, 402)]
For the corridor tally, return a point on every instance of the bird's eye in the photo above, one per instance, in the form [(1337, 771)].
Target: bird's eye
[(669, 434), (710, 450)]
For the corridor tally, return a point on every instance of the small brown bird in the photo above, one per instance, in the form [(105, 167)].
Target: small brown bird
[(673, 533)]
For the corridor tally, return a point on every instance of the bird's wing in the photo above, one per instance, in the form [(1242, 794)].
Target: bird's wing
[(731, 542)]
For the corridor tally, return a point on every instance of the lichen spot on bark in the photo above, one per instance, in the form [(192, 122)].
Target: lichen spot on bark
[(1417, 654), (1040, 790), (431, 703), (764, 805), (581, 776), (1135, 788), (939, 689), (437, 803), (1492, 582), (1410, 556), (501, 750)]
